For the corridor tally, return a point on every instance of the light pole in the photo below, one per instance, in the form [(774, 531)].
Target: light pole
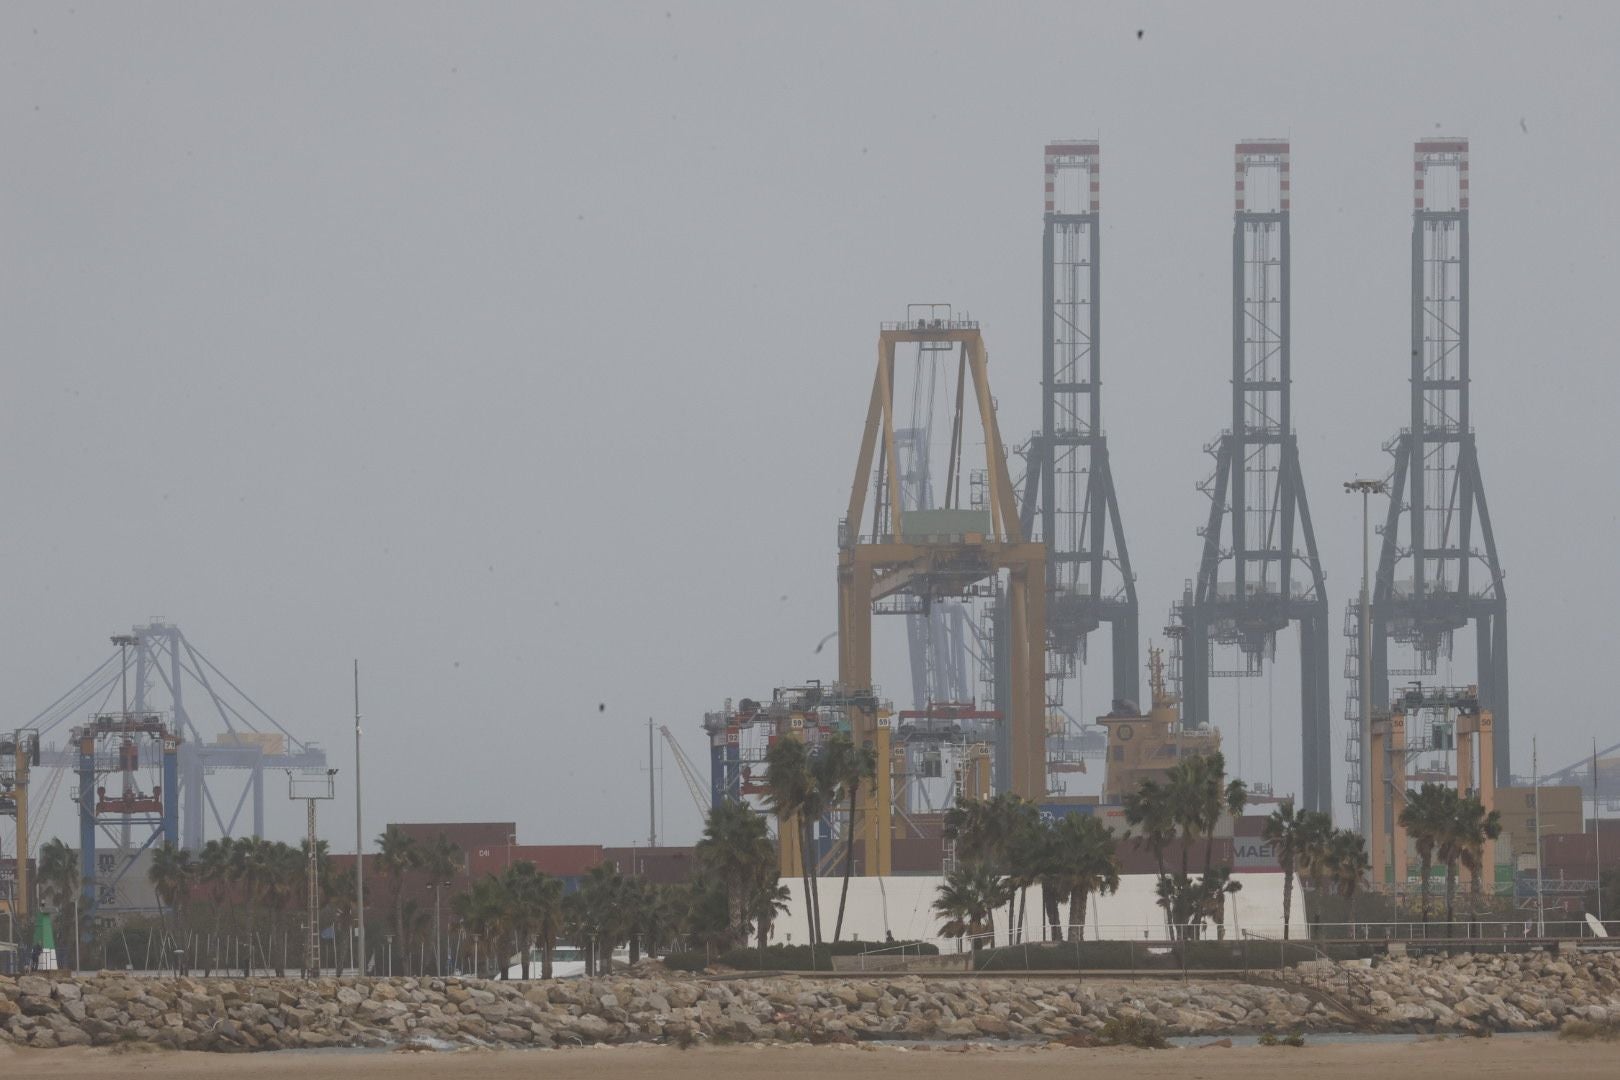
[(390, 938), (1366, 489), (438, 888), (359, 834)]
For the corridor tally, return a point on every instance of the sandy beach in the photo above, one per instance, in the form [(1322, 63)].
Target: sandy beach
[(1436, 1059)]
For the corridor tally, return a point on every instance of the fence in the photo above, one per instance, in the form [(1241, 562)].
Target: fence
[(1134, 948)]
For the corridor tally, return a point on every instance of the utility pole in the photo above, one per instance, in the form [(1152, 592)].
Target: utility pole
[(438, 888), (1535, 767), (1597, 832), (652, 797), (1366, 489), (359, 833)]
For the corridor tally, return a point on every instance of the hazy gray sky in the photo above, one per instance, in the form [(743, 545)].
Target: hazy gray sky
[(522, 351)]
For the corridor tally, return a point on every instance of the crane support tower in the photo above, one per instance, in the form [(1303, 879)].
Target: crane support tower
[(1069, 502), (1438, 568), (1449, 723), (928, 555), (1265, 573), (110, 745), (19, 753), (223, 734)]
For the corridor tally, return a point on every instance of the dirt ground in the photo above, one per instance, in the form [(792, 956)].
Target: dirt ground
[(1475, 1059)]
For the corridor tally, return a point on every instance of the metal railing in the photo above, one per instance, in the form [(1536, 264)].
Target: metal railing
[(1138, 947)]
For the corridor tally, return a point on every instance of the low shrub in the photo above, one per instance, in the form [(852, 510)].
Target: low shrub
[(1590, 1031), (1292, 1039), (1132, 1031)]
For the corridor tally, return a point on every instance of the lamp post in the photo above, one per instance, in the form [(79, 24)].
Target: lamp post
[(359, 834), (438, 888), (390, 938), (1366, 489)]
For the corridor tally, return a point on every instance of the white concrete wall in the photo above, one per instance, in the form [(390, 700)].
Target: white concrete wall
[(903, 906)]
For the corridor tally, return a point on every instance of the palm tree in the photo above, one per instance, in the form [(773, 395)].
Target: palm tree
[(1194, 785), (171, 874), (985, 830), (484, 911), (736, 851), (1285, 828), (250, 870), (418, 920), (1471, 826), (1237, 798), (521, 884), (1052, 874), (970, 826), (769, 899), (1313, 853), (601, 894), (547, 901), (214, 865), (59, 883), (1348, 862), (339, 893), (796, 801), (1150, 817), (1426, 817), (849, 766), (398, 854), (1084, 850), (284, 882), (1028, 850), (967, 901)]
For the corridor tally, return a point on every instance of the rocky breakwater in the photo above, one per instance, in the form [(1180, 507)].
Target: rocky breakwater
[(1474, 993), (224, 1014), (266, 1014)]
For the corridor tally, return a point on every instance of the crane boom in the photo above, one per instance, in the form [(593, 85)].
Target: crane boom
[(688, 772)]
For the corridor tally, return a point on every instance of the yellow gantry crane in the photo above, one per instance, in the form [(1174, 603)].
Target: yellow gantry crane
[(938, 554), (19, 753)]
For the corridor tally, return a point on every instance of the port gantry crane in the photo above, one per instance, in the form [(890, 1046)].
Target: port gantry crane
[(1069, 501), (1438, 568), (937, 554), (141, 770), (1260, 570)]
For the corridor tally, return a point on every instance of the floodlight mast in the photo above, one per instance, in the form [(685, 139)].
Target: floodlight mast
[(312, 789), (1366, 489)]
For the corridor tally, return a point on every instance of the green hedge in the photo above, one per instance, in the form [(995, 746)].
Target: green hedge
[(790, 957)]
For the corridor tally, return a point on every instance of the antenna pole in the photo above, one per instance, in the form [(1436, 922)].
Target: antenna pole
[(359, 833), (1597, 831), (652, 796), (1535, 767)]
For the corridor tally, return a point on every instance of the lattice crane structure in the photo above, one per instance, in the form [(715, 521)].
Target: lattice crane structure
[(1069, 501), (924, 556), (147, 771), (1260, 570), (1438, 568)]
